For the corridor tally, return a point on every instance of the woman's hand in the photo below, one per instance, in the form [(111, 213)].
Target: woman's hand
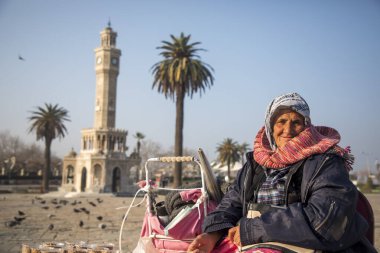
[(234, 235), (204, 243)]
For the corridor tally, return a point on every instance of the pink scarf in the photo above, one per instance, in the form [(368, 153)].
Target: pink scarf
[(312, 140)]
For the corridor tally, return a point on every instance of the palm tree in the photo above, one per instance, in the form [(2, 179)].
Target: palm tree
[(243, 148), (48, 123), (139, 136), (180, 73), (228, 153)]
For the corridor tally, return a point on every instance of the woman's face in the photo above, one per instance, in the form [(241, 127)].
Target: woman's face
[(287, 124)]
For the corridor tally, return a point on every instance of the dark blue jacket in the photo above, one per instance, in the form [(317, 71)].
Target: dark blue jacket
[(325, 218)]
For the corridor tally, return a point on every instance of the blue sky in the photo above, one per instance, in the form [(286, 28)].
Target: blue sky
[(328, 51)]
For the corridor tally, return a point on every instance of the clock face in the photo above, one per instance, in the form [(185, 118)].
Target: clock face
[(114, 61), (99, 60)]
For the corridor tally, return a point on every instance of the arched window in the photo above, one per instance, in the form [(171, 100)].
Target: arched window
[(83, 180), (116, 179), (97, 175), (70, 175)]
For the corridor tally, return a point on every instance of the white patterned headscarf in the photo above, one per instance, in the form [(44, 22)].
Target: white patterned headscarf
[(291, 101)]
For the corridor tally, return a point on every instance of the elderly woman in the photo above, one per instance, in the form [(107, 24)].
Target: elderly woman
[(294, 189)]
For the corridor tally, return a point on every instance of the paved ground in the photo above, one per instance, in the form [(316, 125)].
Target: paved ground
[(42, 211), (51, 210)]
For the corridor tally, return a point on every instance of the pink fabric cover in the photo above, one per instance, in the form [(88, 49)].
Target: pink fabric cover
[(185, 230), (226, 246), (193, 195)]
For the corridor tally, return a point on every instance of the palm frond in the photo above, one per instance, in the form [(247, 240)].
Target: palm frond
[(181, 68)]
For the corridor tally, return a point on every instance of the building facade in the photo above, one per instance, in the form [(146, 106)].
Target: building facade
[(102, 164)]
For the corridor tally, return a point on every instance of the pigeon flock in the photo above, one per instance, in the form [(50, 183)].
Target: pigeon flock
[(78, 208)]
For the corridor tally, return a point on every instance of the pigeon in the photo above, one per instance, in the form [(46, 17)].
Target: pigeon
[(102, 226), (63, 202), (74, 203), (57, 207), (81, 223), (99, 218), (51, 226), (50, 215), (19, 219), (92, 203), (21, 213), (54, 201), (77, 210), (45, 207), (99, 200), (11, 223), (43, 201)]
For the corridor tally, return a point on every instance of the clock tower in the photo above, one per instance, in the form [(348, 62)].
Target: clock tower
[(107, 58), (102, 164)]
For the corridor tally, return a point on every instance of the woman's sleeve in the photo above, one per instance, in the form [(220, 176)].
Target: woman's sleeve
[(229, 210), (322, 222)]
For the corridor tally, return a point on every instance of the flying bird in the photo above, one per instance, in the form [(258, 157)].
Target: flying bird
[(21, 58)]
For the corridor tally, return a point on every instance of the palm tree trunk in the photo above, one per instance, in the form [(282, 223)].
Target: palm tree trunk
[(229, 169), (46, 170), (178, 142)]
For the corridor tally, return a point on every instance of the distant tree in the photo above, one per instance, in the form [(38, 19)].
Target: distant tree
[(368, 186), (48, 124), (139, 136), (9, 145), (228, 153), (29, 157), (150, 149), (180, 73)]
